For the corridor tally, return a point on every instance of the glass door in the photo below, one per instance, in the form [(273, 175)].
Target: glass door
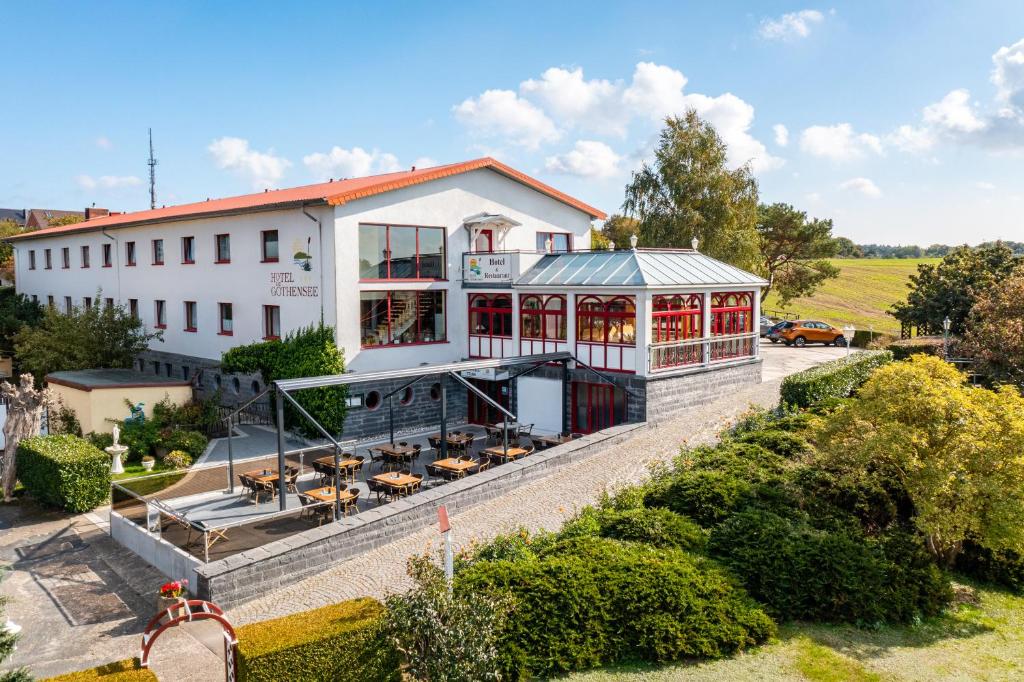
[(480, 412), (596, 406)]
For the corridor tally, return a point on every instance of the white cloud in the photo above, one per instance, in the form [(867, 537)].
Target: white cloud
[(781, 134), (349, 163), (656, 91), (911, 139), (588, 159), (1008, 75), (863, 185), (107, 181), (424, 162), (732, 118), (790, 26), (838, 142), (263, 169), (813, 197), (104, 142), (593, 105), (987, 186), (503, 113), (953, 113)]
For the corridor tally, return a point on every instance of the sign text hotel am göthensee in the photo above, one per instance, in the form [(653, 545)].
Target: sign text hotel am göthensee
[(283, 284)]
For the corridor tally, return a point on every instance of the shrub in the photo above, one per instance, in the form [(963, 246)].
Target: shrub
[(178, 459), (443, 635), (64, 471), (100, 440), (140, 437), (919, 345), (340, 641), (783, 443), (1005, 568), (192, 443), (800, 572), (706, 496), (590, 601), (835, 379), (64, 420), (121, 671), (655, 527), (201, 415)]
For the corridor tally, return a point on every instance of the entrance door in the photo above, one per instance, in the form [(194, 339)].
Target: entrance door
[(484, 241), (478, 411), (596, 406)]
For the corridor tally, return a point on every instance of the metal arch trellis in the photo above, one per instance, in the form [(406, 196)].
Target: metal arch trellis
[(187, 611)]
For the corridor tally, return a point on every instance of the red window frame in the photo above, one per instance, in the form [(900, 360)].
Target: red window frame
[(188, 244), (219, 255), (263, 246), (486, 233), (732, 312), (158, 252), (268, 322), (133, 308), (387, 249), (129, 254), (191, 316), (108, 255), (498, 319), (547, 317), (604, 311), (85, 255), (388, 299), (160, 314), (677, 317), (65, 258), (221, 307), (551, 235), (600, 406), (47, 259)]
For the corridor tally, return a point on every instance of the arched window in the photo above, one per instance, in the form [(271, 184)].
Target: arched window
[(732, 313), (677, 317), (490, 321), (605, 329), (542, 317)]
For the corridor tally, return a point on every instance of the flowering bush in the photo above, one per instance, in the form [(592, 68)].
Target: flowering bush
[(174, 589), (178, 459)]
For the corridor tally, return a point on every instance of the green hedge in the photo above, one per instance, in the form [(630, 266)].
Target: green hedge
[(835, 379), (591, 601), (1005, 568), (64, 471), (121, 671), (919, 345), (336, 642), (652, 526)]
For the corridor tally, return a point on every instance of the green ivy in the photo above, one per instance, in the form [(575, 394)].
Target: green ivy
[(64, 471)]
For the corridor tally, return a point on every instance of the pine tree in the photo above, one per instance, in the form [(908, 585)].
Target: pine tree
[(7, 641)]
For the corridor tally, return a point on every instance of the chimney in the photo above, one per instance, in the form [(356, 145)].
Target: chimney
[(93, 212)]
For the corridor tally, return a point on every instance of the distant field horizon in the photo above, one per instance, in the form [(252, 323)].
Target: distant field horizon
[(862, 293)]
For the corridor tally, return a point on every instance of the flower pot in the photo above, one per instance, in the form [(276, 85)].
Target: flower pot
[(164, 603), (147, 463)]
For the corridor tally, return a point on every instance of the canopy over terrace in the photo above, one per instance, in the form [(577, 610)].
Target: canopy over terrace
[(285, 388)]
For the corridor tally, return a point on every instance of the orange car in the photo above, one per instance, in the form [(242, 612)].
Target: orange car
[(802, 332)]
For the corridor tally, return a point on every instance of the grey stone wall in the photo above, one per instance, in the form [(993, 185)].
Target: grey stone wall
[(423, 411), (241, 577), (668, 394)]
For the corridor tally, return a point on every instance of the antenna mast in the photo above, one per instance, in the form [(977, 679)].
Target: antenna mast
[(152, 172)]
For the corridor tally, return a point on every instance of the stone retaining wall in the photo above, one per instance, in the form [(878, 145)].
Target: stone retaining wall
[(668, 394), (246, 575)]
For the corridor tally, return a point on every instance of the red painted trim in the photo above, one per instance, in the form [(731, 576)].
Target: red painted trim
[(106, 265), (221, 262), (223, 333), (190, 330), (271, 338), (403, 345), (271, 260)]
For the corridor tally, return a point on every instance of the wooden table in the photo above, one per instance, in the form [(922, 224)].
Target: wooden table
[(262, 475), (550, 441), (454, 437), (346, 465), (513, 453), (326, 494), (393, 450), (457, 465), (395, 480)]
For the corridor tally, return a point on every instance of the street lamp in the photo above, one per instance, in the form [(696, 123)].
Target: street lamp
[(946, 323), (848, 331)]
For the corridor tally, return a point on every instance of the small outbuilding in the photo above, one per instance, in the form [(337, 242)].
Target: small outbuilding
[(97, 396)]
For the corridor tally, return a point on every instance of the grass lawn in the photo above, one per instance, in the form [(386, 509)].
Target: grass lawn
[(864, 290), (984, 642)]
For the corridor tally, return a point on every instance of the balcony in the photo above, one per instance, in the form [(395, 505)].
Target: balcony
[(701, 352), (495, 269)]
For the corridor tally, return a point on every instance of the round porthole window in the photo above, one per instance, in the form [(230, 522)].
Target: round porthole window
[(407, 396), (255, 387), (372, 400), (435, 392), (236, 385)]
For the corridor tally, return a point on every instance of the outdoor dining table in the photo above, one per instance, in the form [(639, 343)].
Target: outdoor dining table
[(326, 494), (511, 453), (549, 441), (457, 465), (262, 475), (396, 481), (454, 438), (346, 465)]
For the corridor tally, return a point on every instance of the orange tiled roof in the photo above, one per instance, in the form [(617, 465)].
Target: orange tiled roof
[(333, 193)]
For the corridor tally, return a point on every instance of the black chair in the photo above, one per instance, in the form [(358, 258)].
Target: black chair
[(376, 457), (413, 488), (376, 487), (434, 471), (290, 477), (351, 503), (305, 501), (406, 472), (484, 465)]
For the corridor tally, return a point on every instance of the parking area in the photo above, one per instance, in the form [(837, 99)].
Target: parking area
[(781, 360)]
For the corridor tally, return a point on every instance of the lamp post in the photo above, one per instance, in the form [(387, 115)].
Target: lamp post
[(848, 332), (946, 323)]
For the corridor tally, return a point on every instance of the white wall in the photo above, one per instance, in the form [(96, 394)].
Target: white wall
[(540, 403), (245, 282), (441, 203)]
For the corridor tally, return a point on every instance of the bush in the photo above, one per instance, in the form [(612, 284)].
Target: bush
[(192, 443), (121, 671), (64, 471), (340, 641), (178, 459), (782, 443), (140, 437), (655, 527), (100, 440), (835, 379), (706, 496), (591, 601), (1005, 568), (800, 572), (201, 415), (919, 345)]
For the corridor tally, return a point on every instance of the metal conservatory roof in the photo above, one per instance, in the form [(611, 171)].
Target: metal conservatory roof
[(637, 268)]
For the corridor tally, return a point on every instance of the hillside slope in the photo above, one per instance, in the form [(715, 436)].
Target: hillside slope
[(864, 290)]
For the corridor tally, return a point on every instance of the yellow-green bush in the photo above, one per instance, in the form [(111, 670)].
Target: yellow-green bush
[(121, 671), (340, 641)]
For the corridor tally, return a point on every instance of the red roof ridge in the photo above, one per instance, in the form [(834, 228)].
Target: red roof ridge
[(334, 192)]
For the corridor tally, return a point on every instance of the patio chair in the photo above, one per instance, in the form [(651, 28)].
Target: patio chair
[(247, 486), (406, 472), (435, 444), (492, 434), (350, 503), (376, 457), (357, 468), (416, 451), (263, 487), (307, 510), (525, 430), (324, 512), (434, 471), (403, 444), (413, 488), (484, 465), (290, 477), (376, 487)]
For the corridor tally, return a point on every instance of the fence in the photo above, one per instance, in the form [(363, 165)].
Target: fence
[(702, 352)]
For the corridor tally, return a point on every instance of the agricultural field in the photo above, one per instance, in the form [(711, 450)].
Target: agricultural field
[(864, 290), (981, 641)]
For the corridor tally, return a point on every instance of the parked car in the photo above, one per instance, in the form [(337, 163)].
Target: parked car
[(766, 324), (774, 332), (801, 332)]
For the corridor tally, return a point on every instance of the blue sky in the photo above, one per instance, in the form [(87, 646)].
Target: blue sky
[(904, 122)]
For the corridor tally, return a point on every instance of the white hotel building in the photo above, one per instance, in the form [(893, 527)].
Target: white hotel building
[(432, 265)]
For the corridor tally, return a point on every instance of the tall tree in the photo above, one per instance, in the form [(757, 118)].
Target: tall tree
[(688, 192), (24, 418), (845, 248), (16, 311), (950, 288), (618, 229), (8, 228), (794, 251), (995, 330), (96, 337)]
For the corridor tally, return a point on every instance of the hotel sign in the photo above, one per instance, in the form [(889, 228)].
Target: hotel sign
[(284, 284), (489, 268)]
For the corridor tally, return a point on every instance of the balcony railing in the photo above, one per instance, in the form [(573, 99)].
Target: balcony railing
[(699, 352)]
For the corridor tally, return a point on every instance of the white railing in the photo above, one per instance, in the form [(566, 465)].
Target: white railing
[(704, 351)]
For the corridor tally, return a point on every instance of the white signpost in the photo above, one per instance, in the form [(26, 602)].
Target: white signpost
[(490, 268), (446, 531)]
